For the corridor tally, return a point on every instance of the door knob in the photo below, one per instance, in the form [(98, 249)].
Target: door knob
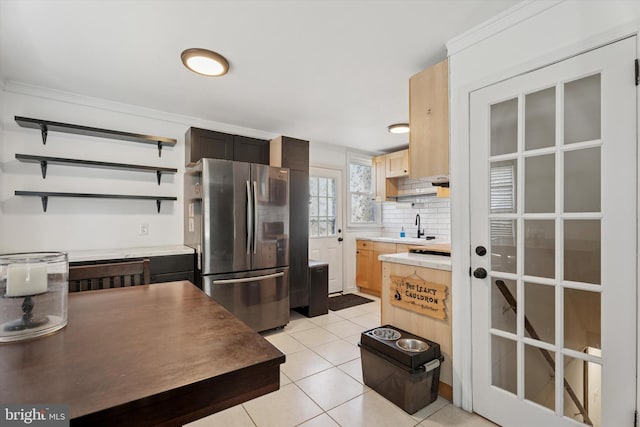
[(481, 250), (340, 239), (480, 273)]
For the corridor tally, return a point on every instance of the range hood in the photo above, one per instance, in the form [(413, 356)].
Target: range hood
[(429, 191), (440, 181)]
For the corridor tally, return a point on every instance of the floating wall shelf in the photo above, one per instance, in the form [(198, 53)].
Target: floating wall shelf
[(46, 125), (45, 160), (44, 196)]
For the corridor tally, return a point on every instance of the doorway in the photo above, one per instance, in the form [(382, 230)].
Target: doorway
[(325, 222), (553, 235)]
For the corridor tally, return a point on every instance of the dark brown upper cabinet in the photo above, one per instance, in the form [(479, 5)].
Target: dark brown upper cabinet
[(290, 153), (203, 143), (251, 150)]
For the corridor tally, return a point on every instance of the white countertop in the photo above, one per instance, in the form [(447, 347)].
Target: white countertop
[(406, 240), (122, 253), (438, 262)]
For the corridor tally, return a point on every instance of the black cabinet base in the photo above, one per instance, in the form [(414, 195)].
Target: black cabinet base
[(166, 268)]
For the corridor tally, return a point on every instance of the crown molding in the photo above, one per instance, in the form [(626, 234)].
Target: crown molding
[(119, 107), (501, 22)]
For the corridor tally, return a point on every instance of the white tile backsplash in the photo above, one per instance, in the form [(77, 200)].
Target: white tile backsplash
[(435, 213)]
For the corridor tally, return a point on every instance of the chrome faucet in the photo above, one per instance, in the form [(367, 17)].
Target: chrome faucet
[(420, 233)]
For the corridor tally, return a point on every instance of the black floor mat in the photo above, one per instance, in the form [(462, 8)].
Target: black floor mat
[(346, 301)]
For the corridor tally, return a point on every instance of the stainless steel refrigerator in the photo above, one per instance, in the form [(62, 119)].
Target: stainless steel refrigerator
[(237, 220)]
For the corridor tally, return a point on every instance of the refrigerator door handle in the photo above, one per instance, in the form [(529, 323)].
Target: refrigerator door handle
[(248, 279), (249, 218), (255, 217)]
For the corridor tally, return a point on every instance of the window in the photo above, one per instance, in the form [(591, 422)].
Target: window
[(362, 209), (322, 206)]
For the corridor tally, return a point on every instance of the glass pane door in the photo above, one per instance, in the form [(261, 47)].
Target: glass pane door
[(561, 249)]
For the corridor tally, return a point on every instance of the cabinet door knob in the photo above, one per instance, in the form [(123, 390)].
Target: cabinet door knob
[(481, 250)]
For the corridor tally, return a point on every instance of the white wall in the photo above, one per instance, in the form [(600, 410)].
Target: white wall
[(532, 34), (76, 223), (435, 213)]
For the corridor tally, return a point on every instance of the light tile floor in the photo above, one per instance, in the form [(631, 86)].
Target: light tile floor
[(321, 382)]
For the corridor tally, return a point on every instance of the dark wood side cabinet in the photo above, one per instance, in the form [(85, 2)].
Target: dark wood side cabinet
[(170, 268), (294, 154), (203, 143), (166, 268)]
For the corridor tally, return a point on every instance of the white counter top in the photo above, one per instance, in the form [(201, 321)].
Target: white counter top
[(406, 240), (418, 260), (123, 253)]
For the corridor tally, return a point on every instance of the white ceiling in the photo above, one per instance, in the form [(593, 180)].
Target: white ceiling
[(328, 71)]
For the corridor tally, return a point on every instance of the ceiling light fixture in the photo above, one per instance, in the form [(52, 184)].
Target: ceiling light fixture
[(205, 62), (399, 128)]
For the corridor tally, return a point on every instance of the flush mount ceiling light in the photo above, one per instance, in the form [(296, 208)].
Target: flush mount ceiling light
[(399, 128), (205, 62)]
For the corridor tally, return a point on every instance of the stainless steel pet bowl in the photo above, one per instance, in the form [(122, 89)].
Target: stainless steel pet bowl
[(410, 344)]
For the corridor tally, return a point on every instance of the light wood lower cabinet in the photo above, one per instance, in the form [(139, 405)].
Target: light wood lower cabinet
[(364, 267), (369, 268), (380, 248), (401, 248)]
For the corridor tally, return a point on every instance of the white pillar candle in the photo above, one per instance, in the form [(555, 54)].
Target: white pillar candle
[(26, 279)]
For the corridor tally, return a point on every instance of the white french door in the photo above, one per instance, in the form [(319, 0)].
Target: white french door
[(553, 234), (325, 222)]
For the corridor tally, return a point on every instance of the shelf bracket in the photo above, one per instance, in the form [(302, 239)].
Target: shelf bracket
[(159, 149), (44, 131), (158, 202), (43, 168), (159, 174), (45, 200)]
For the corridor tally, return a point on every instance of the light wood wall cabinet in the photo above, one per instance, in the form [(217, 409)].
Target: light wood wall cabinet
[(378, 164), (429, 121), (385, 186), (397, 164), (369, 268)]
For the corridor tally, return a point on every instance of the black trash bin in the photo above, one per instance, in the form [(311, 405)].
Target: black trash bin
[(402, 367)]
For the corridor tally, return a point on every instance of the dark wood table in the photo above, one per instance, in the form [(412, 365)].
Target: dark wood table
[(162, 354)]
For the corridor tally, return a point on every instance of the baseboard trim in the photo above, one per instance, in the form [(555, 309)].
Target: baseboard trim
[(446, 391)]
